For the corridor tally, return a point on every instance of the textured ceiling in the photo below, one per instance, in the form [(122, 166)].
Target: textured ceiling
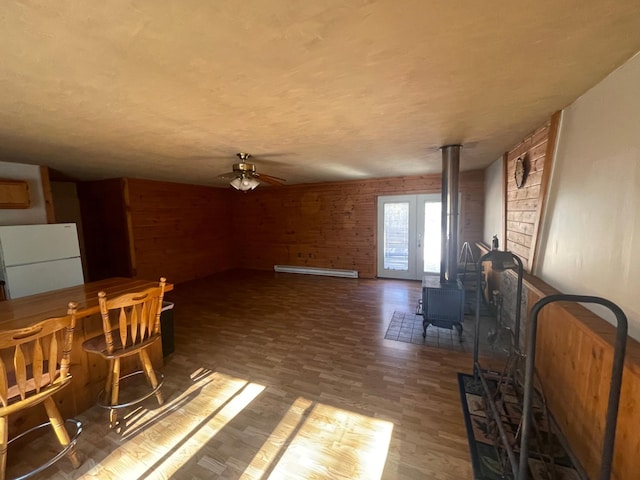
[(315, 90)]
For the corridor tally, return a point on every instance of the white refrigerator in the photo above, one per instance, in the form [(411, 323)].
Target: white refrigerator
[(39, 258)]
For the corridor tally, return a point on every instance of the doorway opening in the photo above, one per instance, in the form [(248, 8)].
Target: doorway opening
[(409, 236)]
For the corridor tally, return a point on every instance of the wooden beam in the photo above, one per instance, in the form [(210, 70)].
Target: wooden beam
[(544, 188), (505, 180), (48, 197), (130, 238)]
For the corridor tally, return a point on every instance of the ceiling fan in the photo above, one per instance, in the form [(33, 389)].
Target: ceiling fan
[(244, 176)]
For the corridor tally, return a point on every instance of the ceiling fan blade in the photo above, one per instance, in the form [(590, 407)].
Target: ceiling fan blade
[(278, 182), (272, 154), (228, 175), (264, 158)]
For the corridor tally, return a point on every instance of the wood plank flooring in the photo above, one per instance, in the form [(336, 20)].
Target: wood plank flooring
[(286, 376)]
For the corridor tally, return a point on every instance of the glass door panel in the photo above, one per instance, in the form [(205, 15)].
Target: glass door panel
[(432, 237), (408, 236), (396, 236)]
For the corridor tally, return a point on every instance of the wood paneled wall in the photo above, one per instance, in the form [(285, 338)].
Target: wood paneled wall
[(573, 357), (180, 231), (148, 229), (333, 225), (574, 353), (186, 231), (524, 205)]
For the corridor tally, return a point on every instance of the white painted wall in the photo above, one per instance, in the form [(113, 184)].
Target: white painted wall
[(591, 238), (494, 203), (36, 213)]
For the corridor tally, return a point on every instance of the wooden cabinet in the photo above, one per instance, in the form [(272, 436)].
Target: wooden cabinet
[(14, 194)]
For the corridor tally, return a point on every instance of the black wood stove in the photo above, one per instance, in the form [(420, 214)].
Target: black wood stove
[(442, 304)]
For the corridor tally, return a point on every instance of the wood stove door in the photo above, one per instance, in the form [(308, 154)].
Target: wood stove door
[(408, 236)]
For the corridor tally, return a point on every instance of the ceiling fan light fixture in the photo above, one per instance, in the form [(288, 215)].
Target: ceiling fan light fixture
[(244, 183), (244, 176)]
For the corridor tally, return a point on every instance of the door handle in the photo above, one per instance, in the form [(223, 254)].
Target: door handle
[(419, 241)]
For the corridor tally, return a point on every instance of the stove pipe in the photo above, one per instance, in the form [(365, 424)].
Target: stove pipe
[(449, 221)]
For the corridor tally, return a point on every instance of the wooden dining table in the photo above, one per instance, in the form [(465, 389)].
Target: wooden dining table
[(88, 371)]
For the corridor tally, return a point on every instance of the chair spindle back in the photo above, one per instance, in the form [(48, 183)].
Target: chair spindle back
[(36, 358), (135, 317)]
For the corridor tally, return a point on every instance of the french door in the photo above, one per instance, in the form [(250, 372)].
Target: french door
[(409, 235)]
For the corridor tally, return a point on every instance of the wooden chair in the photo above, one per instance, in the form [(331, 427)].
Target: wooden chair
[(136, 317), (34, 365)]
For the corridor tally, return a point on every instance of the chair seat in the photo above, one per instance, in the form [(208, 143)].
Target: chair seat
[(98, 345), (31, 396), (13, 393)]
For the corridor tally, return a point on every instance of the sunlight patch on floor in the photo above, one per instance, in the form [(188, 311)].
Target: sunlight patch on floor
[(312, 440), (198, 438), (322, 442), (277, 441), (172, 435)]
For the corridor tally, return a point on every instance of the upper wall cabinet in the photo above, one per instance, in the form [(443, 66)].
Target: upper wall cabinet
[(14, 194)]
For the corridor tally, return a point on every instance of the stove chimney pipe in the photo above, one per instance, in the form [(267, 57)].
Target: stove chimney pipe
[(449, 245)]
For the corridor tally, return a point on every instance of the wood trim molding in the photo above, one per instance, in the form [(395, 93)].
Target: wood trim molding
[(505, 180), (544, 188), (127, 215), (48, 197)]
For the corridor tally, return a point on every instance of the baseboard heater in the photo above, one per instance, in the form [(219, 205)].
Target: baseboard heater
[(330, 272)]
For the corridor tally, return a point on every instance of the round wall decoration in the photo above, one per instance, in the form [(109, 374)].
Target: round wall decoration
[(520, 171)]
